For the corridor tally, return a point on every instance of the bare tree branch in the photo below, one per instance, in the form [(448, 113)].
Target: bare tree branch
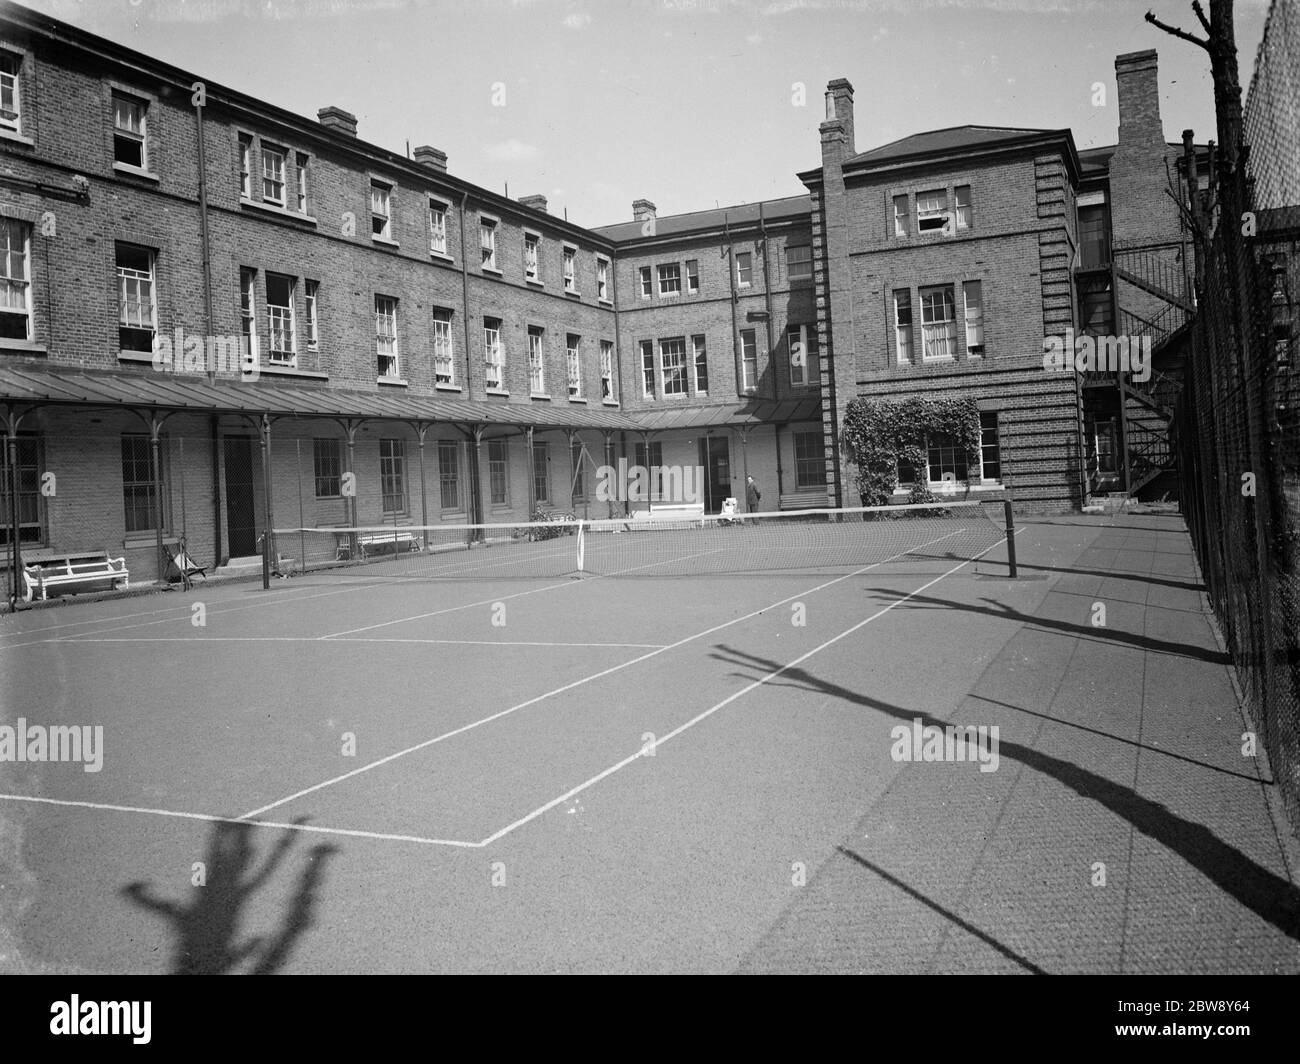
[(1175, 31), (1200, 14)]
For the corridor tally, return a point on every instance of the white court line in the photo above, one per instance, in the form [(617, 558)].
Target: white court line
[(584, 680), (180, 611), (201, 639), (208, 818), (725, 702)]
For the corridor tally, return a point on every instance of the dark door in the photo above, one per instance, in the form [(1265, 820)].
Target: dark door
[(241, 523), (715, 458)]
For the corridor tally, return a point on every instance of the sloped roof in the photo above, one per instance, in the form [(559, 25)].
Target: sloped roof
[(944, 140), (703, 221), (165, 391)]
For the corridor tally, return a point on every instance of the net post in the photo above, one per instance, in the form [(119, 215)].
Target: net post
[(266, 559), (1011, 536)]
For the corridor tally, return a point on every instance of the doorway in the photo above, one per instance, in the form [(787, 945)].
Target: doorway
[(241, 518), (715, 460)]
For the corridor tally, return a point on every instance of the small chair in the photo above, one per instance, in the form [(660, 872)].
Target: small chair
[(728, 512), (185, 565)]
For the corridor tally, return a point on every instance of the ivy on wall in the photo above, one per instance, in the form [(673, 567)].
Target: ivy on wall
[(878, 434)]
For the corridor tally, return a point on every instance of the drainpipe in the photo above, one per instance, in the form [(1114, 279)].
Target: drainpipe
[(464, 287), (737, 356), (767, 301), (216, 489), (15, 550)]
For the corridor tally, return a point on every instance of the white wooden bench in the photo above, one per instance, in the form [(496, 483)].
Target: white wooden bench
[(812, 499), (692, 512), (48, 571), (395, 542)]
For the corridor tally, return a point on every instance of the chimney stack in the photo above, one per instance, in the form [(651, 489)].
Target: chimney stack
[(433, 158), (1138, 87), (338, 120), (643, 209), (537, 203), (839, 114)]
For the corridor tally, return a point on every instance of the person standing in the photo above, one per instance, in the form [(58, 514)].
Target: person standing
[(752, 495)]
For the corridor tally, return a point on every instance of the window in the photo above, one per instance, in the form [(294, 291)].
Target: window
[(962, 195), (803, 362), (648, 369), (541, 473), (139, 497), (381, 220), (947, 461), (494, 362), (137, 314), (903, 325), (449, 474), (1094, 243), (487, 240), (809, 460), (692, 275), (11, 108), (602, 280), (30, 525), (672, 359), (303, 163), (437, 227), (273, 174), (129, 131), (444, 366), (245, 165), (579, 474), (311, 294), (281, 347), (651, 460), (536, 361), (973, 300), (248, 313), (498, 472), (386, 336), (392, 475), (570, 270), (931, 211), (530, 257), (700, 364), (798, 263), (938, 327), (608, 389), (15, 279), (573, 359), (328, 460), (670, 279), (990, 449), (647, 285), (748, 361), (900, 216), (744, 268)]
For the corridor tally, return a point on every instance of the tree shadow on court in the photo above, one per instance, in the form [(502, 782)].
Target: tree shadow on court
[(1144, 578), (208, 928), (1269, 896), (1002, 612)]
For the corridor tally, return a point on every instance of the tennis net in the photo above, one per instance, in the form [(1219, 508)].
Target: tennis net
[(652, 543)]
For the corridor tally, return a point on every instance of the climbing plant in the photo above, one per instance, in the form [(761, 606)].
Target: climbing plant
[(878, 434)]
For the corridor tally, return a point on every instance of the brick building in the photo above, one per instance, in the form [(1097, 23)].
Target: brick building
[(219, 315)]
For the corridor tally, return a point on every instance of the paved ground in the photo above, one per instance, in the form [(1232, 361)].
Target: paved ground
[(500, 812)]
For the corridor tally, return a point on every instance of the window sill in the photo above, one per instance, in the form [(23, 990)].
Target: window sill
[(571, 292), (493, 270), (135, 171), (275, 209), (30, 347), (441, 255), (497, 391), (442, 387), (392, 382), (16, 137), (534, 282), (609, 402), (577, 399), (540, 395), (606, 302), (292, 371), (143, 358), (385, 241)]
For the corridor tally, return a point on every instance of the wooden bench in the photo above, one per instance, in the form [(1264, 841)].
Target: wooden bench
[(395, 542), (813, 499), (692, 512), (56, 570)]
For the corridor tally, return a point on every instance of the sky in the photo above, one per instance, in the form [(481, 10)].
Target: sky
[(688, 103)]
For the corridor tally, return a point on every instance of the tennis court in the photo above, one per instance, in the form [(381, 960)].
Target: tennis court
[(383, 770)]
